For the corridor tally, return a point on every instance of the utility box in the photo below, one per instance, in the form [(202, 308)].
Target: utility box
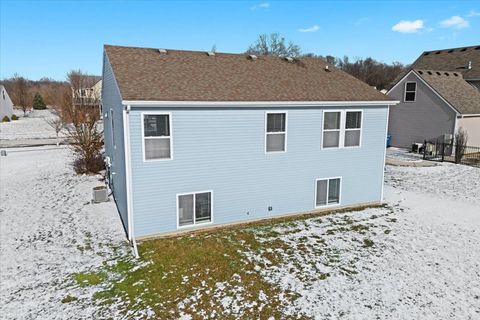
[(100, 194)]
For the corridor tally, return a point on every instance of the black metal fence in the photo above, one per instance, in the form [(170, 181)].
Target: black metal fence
[(449, 152)]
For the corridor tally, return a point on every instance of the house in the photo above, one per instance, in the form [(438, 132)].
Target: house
[(439, 95), (87, 91), (197, 139), (6, 104)]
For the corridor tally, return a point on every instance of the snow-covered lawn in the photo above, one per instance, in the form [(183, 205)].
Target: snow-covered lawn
[(418, 257), (33, 126)]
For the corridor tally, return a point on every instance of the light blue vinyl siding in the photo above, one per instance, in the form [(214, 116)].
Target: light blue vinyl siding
[(223, 150), (111, 99)]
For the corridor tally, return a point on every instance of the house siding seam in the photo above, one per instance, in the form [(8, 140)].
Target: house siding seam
[(111, 99), (429, 117), (222, 149)]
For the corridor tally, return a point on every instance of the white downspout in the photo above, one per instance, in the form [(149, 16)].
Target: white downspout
[(128, 179), (385, 154)]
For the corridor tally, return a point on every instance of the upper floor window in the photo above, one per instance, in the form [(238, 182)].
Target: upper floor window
[(410, 91), (276, 132), (341, 129), (157, 139)]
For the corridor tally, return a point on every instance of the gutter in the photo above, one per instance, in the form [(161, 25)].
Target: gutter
[(128, 179), (146, 103)]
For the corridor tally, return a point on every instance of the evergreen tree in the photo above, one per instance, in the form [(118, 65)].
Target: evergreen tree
[(38, 102)]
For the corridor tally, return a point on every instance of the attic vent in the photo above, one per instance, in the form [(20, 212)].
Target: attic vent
[(426, 53), (289, 59), (450, 51), (429, 72), (419, 71), (252, 57), (438, 73), (162, 51), (210, 53), (477, 48), (455, 74), (464, 49), (447, 74), (438, 52)]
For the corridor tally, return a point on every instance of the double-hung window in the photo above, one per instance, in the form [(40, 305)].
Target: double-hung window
[(410, 91), (341, 129), (327, 192), (276, 132), (157, 139), (194, 208)]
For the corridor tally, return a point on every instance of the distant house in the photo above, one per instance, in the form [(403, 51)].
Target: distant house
[(439, 95), (6, 104), (88, 91), (197, 139)]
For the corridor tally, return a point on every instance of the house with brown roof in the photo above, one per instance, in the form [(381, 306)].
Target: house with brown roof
[(201, 139), (438, 95)]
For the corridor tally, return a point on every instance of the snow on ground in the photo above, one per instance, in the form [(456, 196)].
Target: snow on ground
[(403, 155), (49, 230), (32, 126)]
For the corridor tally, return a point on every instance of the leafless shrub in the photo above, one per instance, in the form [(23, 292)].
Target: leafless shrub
[(461, 139), (21, 96)]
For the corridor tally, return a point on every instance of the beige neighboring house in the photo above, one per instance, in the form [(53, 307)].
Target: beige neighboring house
[(6, 104), (89, 93), (438, 95)]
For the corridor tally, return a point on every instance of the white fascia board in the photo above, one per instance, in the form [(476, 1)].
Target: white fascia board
[(147, 103)]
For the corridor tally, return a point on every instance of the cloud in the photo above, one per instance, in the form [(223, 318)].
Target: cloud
[(313, 28), (473, 13), (455, 22), (263, 5), (406, 26)]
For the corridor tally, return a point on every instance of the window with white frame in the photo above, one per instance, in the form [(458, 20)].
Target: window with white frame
[(276, 132), (353, 128), (410, 91), (157, 139), (194, 208), (327, 192), (341, 129)]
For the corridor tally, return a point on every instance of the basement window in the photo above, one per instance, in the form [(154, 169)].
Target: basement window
[(276, 132), (157, 139), (410, 91), (194, 208), (327, 192)]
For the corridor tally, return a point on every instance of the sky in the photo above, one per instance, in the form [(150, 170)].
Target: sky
[(50, 38)]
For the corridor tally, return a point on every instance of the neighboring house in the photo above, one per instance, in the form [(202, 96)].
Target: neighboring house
[(89, 91), (6, 104), (439, 95), (198, 139)]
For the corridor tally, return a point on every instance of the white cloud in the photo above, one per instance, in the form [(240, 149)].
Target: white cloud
[(455, 22), (313, 28), (263, 5), (473, 13), (406, 26)]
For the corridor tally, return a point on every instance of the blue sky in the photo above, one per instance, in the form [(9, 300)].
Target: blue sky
[(49, 38)]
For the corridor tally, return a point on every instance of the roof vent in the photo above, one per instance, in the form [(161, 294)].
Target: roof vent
[(252, 57), (289, 59), (464, 49), (211, 53), (326, 69), (429, 72), (438, 73), (438, 52), (426, 53), (420, 71), (455, 74), (450, 51), (477, 48), (447, 74), (162, 51), (469, 65)]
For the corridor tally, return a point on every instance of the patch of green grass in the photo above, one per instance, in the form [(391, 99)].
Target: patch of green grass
[(85, 279), (367, 243), (68, 299)]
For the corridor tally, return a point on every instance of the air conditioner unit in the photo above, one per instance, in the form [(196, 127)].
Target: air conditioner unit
[(100, 194)]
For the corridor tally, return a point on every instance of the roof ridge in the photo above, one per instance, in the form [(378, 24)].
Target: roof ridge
[(455, 48)]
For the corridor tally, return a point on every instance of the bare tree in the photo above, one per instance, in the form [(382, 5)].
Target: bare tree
[(20, 93), (273, 45), (461, 139), (56, 123), (81, 124)]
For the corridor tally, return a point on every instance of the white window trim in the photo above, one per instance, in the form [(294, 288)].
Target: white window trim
[(280, 132), (194, 224), (328, 186), (405, 92), (143, 114), (343, 129)]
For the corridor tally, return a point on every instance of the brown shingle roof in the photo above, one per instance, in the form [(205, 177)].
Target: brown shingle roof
[(452, 87), (147, 74)]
